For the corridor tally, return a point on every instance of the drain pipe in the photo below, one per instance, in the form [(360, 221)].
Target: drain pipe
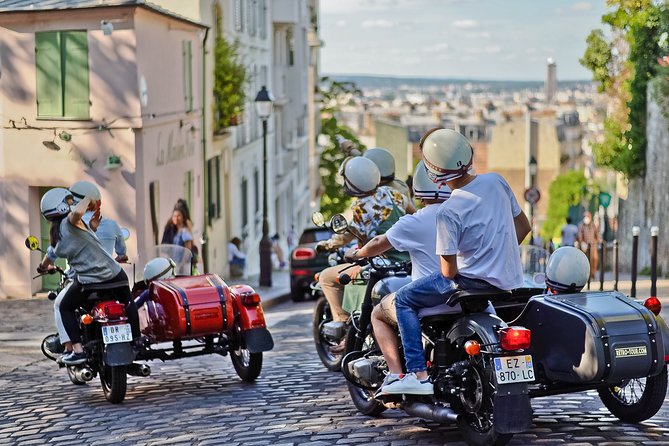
[(205, 173)]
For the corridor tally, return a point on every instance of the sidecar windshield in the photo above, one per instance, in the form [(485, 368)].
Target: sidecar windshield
[(534, 260), (182, 258)]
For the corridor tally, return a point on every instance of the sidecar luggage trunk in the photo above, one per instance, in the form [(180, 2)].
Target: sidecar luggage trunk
[(186, 307), (592, 337)]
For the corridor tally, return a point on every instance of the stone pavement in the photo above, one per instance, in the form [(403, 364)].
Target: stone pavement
[(296, 401)]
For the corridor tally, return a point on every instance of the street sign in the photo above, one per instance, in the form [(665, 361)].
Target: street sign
[(532, 195), (604, 199)]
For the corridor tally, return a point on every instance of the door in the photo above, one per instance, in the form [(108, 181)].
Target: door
[(50, 281)]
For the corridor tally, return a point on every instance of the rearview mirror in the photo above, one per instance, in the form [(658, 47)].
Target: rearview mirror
[(32, 243), (126, 233), (318, 219), (338, 223)]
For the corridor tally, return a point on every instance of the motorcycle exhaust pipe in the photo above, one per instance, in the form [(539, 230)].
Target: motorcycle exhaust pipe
[(142, 370), (83, 374), (439, 414)]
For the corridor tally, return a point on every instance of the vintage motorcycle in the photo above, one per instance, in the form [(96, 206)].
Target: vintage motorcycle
[(485, 370)]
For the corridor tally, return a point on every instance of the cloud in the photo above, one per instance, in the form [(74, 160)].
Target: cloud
[(378, 23), (491, 49), (478, 35), (438, 48), (341, 23), (466, 24), (530, 50), (581, 6)]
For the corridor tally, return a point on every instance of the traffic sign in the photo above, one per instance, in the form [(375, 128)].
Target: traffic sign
[(532, 195), (604, 199)]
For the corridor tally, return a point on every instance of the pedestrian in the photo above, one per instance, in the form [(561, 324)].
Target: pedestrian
[(291, 239), (589, 239), (569, 233), (236, 258), (277, 253)]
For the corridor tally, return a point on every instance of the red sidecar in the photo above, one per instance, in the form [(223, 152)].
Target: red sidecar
[(202, 315)]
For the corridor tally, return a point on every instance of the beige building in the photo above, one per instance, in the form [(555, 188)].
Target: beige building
[(106, 92)]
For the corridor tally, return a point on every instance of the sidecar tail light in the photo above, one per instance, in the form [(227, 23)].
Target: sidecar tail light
[(654, 305), (515, 338), (114, 310), (250, 299)]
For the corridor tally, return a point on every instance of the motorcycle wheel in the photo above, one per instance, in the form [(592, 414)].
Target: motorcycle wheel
[(246, 364), (323, 315), (364, 404), (475, 407), (636, 400), (114, 381), (73, 378)]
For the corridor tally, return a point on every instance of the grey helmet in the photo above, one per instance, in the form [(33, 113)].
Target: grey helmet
[(447, 155), (384, 160), (567, 270), (361, 176), (426, 189)]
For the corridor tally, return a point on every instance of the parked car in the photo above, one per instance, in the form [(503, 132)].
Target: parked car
[(305, 261)]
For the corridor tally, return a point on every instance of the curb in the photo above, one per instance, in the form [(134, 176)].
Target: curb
[(273, 301)]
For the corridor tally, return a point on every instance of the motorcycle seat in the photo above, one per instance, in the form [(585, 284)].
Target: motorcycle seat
[(451, 305)]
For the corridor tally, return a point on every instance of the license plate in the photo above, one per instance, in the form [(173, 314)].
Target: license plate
[(514, 369), (113, 334)]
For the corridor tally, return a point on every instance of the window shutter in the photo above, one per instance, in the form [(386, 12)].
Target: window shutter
[(188, 74), (49, 75), (75, 71)]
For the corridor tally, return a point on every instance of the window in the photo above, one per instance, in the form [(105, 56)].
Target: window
[(245, 204), (263, 19), (290, 46), (61, 59), (256, 184), (238, 13), (214, 188), (188, 74), (253, 27)]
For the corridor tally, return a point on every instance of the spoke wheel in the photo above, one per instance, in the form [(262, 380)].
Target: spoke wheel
[(247, 365), (114, 381), (636, 400), (363, 399), (323, 315)]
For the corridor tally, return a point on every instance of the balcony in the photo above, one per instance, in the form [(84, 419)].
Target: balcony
[(285, 11)]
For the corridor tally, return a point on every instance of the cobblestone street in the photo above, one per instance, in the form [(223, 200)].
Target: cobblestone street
[(201, 401)]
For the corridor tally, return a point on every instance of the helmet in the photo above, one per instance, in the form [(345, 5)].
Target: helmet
[(447, 155), (361, 176), (54, 203), (567, 270), (384, 161), (426, 189), (159, 268), (82, 189)]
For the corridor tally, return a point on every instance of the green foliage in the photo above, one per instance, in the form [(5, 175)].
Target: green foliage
[(230, 78), (623, 66), (332, 96), (566, 190)]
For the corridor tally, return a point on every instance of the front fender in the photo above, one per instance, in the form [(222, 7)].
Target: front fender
[(512, 411)]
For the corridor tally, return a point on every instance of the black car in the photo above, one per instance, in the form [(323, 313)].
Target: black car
[(305, 261)]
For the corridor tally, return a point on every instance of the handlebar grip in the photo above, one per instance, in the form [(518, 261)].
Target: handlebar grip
[(344, 279)]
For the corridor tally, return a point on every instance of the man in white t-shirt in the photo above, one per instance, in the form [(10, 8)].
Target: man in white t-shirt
[(417, 235), (478, 232), (569, 233)]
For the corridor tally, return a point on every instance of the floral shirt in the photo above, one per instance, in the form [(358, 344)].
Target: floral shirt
[(369, 212)]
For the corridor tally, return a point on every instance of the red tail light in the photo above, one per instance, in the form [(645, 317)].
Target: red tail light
[(250, 299), (514, 338), (304, 254), (114, 310), (654, 305)]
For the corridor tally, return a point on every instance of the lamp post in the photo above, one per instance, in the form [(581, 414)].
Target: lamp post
[(263, 103), (532, 164)]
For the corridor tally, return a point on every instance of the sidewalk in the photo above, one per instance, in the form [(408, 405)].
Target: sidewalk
[(270, 297)]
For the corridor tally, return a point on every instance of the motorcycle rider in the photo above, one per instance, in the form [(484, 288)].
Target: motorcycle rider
[(478, 231), (375, 210), (567, 270), (94, 268), (385, 161), (416, 234)]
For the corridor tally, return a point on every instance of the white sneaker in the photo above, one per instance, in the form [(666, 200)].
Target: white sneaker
[(390, 378), (410, 385)]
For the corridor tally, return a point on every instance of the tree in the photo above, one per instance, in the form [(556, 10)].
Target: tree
[(333, 95), (566, 190)]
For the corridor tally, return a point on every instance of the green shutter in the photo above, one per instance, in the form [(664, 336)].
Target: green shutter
[(188, 74), (75, 70), (49, 74)]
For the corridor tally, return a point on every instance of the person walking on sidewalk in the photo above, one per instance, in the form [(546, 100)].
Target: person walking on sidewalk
[(589, 238)]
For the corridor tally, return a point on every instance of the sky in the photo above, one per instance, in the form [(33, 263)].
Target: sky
[(474, 39)]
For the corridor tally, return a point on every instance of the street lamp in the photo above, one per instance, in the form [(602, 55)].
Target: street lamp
[(532, 164), (263, 103)]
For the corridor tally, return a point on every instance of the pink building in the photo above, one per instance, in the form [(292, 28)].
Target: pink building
[(109, 92)]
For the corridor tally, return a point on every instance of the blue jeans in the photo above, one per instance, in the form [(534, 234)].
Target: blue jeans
[(428, 291)]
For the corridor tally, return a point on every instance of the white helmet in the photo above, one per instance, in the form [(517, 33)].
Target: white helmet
[(361, 176), (567, 270), (159, 268), (384, 161), (54, 203), (426, 189), (447, 155), (82, 189)]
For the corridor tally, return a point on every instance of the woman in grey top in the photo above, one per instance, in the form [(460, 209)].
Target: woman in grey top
[(95, 269)]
